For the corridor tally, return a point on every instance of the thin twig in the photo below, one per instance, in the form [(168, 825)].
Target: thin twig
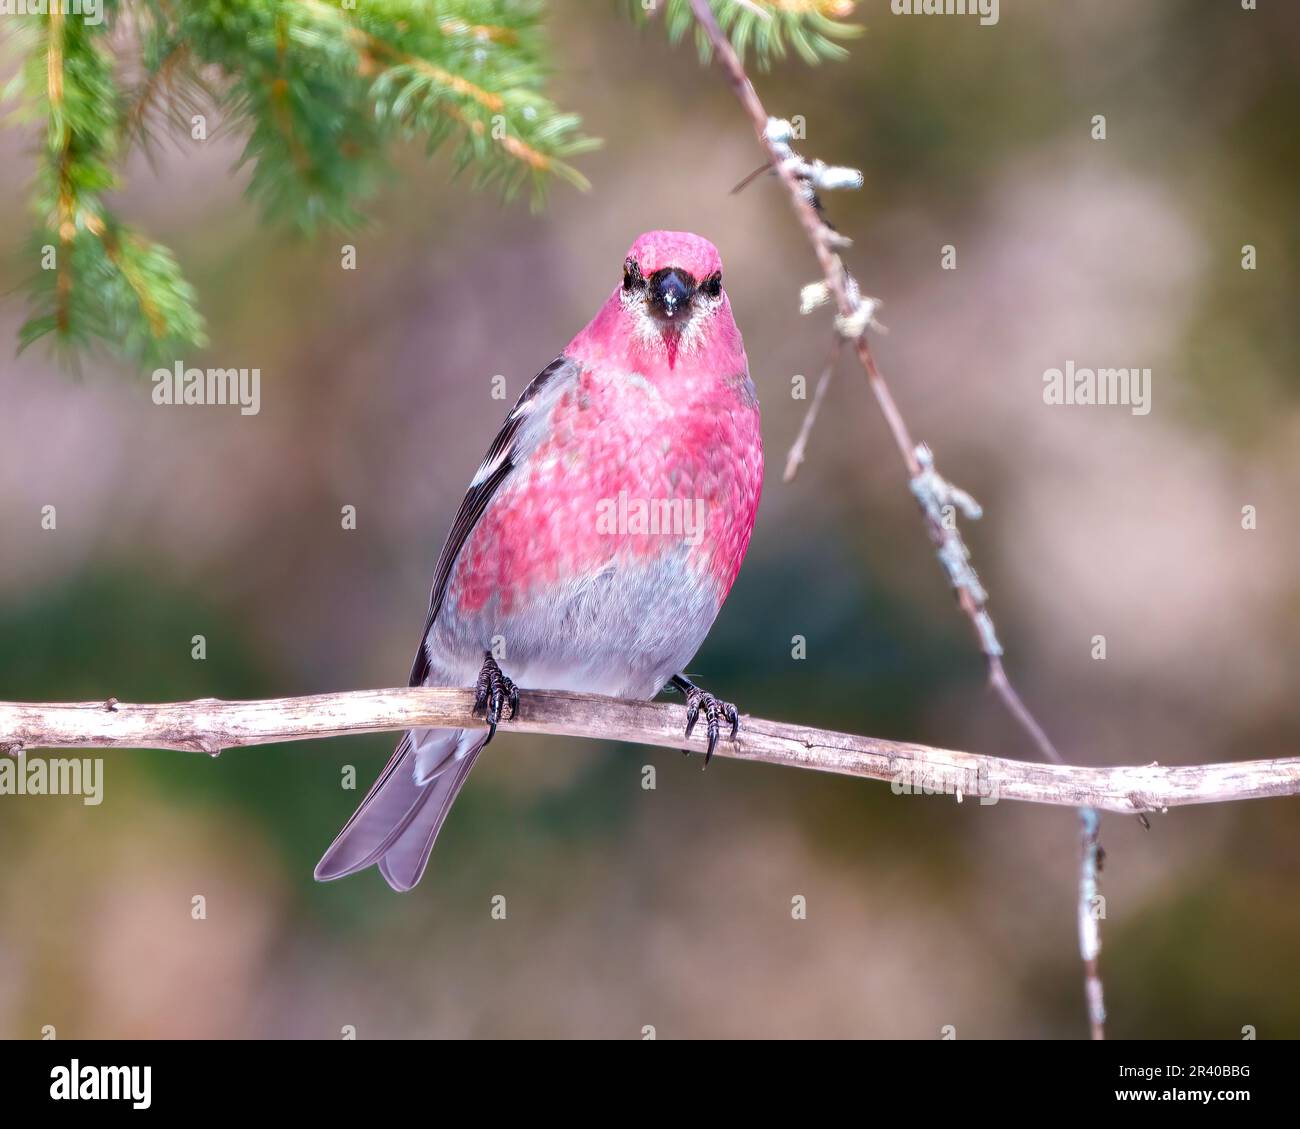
[(1090, 919), (210, 725), (933, 493), (156, 82), (796, 456)]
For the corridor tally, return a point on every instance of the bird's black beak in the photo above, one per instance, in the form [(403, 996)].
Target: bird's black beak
[(671, 291)]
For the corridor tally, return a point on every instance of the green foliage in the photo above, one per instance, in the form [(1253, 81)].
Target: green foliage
[(93, 277), (767, 27), (110, 285), (321, 89)]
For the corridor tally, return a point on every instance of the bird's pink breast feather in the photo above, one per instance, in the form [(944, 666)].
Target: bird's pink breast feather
[(631, 423)]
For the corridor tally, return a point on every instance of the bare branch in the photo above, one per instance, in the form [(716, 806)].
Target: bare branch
[(795, 458), (1090, 920), (210, 725), (802, 179)]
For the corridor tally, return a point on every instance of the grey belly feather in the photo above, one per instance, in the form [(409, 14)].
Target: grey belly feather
[(622, 630)]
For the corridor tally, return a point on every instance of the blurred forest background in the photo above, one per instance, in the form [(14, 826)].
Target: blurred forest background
[(671, 907)]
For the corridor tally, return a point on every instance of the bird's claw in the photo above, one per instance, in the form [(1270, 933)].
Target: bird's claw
[(493, 692), (715, 711)]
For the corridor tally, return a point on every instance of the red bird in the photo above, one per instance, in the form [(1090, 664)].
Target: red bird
[(597, 541)]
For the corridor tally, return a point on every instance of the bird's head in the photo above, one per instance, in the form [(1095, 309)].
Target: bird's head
[(671, 296)]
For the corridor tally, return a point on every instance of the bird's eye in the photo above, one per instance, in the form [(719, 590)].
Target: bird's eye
[(632, 277), (711, 287)]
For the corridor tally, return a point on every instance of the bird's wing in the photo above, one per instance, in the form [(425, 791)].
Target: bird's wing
[(520, 432)]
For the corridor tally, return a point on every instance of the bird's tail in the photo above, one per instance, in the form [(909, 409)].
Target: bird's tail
[(396, 824)]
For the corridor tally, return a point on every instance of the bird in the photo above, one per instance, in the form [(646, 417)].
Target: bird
[(596, 543)]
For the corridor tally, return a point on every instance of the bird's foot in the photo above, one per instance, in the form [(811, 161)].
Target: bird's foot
[(493, 692), (715, 712)]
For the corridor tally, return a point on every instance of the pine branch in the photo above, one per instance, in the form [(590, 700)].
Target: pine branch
[(768, 28), (321, 91), (94, 280)]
